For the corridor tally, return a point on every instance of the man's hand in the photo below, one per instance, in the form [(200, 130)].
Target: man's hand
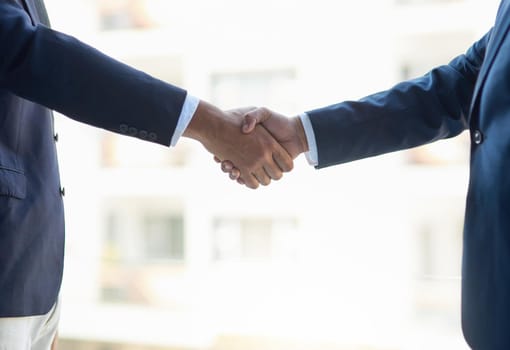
[(287, 131), (257, 156)]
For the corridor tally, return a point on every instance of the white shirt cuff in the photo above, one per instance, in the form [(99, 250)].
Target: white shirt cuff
[(312, 155), (188, 110)]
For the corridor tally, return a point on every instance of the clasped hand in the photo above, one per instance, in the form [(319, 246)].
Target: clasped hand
[(287, 132), (253, 145)]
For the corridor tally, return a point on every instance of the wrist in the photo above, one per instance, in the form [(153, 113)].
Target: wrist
[(203, 123)]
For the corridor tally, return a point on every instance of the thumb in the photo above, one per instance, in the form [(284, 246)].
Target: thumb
[(254, 117)]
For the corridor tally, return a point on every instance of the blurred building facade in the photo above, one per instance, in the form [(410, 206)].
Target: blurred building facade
[(164, 252)]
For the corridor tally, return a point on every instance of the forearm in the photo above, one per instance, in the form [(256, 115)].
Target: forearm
[(61, 73), (412, 113)]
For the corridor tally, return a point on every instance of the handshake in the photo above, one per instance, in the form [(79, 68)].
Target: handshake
[(253, 145)]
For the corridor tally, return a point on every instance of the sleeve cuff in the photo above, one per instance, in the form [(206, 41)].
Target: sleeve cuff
[(188, 110), (312, 155)]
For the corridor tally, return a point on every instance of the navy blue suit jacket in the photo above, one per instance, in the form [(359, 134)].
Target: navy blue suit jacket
[(41, 69), (471, 92)]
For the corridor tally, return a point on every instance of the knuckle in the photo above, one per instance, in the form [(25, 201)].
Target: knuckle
[(264, 110)]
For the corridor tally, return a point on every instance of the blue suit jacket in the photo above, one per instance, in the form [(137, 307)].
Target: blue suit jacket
[(41, 69), (472, 92)]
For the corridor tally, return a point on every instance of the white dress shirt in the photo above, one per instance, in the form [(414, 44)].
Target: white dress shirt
[(312, 155), (188, 110)]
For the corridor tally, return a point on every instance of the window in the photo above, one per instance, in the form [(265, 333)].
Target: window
[(273, 88), (118, 151), (143, 249), (247, 239), (437, 254), (440, 245), (123, 14), (143, 236), (163, 237)]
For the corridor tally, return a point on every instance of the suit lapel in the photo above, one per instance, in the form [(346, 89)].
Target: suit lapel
[(37, 11), (498, 35), (38, 14), (27, 4), (41, 12)]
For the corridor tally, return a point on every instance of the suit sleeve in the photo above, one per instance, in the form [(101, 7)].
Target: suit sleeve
[(412, 113), (66, 75)]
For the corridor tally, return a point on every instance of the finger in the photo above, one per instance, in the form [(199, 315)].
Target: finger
[(250, 180), (284, 161), (274, 172), (217, 160), (249, 123), (240, 181), (227, 166), (235, 174), (280, 161), (262, 177), (252, 118)]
